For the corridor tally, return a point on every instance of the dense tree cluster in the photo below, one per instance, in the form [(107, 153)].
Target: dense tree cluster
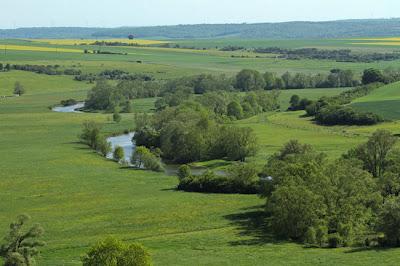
[(343, 55), (352, 200), (345, 115), (189, 132), (104, 96)]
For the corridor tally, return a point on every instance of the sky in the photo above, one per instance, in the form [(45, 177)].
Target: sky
[(116, 13)]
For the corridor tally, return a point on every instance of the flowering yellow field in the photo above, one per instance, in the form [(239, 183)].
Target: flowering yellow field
[(393, 41), (89, 41), (38, 48)]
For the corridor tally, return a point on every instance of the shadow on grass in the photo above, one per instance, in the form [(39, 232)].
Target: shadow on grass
[(363, 249), (253, 225)]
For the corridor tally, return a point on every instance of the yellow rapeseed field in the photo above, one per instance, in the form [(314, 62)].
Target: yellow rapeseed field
[(38, 48), (90, 41)]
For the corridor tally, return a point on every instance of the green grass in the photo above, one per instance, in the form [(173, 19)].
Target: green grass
[(79, 197), (384, 101)]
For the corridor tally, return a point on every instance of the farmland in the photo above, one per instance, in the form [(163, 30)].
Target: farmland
[(80, 197)]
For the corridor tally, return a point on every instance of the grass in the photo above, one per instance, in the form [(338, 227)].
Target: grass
[(79, 197), (383, 101)]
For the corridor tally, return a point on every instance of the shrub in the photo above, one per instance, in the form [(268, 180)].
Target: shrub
[(117, 117), (69, 102), (90, 132), (142, 157), (114, 252), (184, 171)]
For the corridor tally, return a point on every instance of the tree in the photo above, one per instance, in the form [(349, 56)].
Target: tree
[(90, 132), (294, 100), (102, 145), (131, 36), (117, 117), (248, 80), (372, 75), (113, 252), (374, 152), (119, 154), (235, 110), (1, 67), (239, 143), (389, 220), (18, 89), (294, 209), (20, 247), (144, 158), (310, 237)]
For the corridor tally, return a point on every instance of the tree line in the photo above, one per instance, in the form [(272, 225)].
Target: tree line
[(41, 69), (341, 55)]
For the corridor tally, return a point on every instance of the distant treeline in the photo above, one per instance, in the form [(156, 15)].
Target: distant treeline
[(41, 69), (285, 30), (343, 55), (333, 110), (114, 74)]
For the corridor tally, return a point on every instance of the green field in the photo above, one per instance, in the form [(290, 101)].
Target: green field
[(79, 197), (384, 101)]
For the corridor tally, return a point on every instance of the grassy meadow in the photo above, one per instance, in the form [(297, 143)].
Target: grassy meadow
[(79, 197)]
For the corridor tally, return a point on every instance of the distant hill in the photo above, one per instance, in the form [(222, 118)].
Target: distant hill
[(285, 30)]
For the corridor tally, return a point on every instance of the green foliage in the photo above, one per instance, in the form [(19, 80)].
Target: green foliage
[(239, 179), (310, 237), (90, 133), (117, 117), (21, 246), (374, 153), (113, 252), (102, 145), (184, 171), (249, 80), (144, 158), (19, 89), (119, 154), (334, 240), (372, 75), (389, 221), (235, 110)]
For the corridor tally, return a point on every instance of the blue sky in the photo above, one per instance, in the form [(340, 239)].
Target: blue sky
[(114, 13)]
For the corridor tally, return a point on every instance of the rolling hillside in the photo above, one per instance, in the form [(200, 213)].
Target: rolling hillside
[(284, 30), (384, 101)]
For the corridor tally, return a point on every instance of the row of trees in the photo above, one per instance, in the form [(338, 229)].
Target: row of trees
[(333, 110), (353, 200), (248, 80), (343, 55), (41, 69)]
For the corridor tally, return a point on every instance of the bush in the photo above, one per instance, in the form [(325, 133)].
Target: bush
[(344, 115), (90, 132), (184, 171), (69, 102), (112, 252), (117, 117)]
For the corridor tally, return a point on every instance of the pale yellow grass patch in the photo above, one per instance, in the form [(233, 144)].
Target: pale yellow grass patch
[(378, 43)]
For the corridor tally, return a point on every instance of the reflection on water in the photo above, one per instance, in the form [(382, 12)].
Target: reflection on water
[(123, 141), (69, 109)]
